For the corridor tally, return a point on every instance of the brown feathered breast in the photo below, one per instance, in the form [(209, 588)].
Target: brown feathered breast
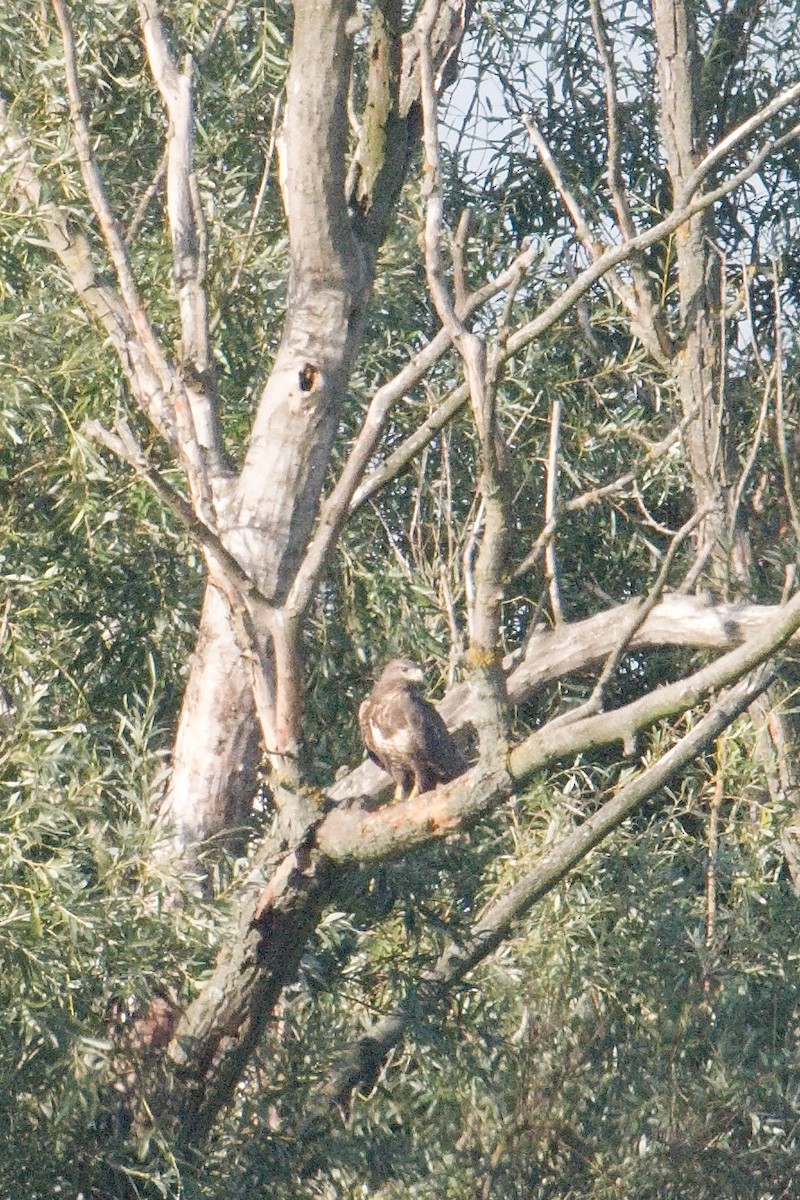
[(404, 734)]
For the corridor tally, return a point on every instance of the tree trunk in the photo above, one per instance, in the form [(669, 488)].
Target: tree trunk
[(274, 502), (272, 507)]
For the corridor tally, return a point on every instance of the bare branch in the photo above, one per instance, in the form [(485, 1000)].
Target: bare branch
[(485, 611), (550, 508), (746, 470), (630, 628), (642, 323), (140, 212), (202, 448), (785, 99), (354, 834), (780, 417), (122, 442), (262, 191), (647, 316), (96, 194), (104, 304), (550, 654), (460, 240)]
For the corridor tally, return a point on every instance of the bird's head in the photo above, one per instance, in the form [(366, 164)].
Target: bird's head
[(403, 670)]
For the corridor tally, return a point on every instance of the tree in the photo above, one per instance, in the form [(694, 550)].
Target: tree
[(609, 313)]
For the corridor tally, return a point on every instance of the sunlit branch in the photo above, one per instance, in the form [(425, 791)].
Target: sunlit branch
[(137, 220), (642, 323), (577, 647), (638, 616), (485, 610), (647, 314), (102, 302), (96, 194), (201, 444), (550, 509), (780, 416)]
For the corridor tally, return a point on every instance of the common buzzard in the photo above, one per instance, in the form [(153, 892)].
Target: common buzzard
[(405, 735)]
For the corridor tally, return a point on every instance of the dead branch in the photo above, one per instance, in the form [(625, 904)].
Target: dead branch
[(550, 509), (96, 194), (104, 304), (630, 629), (647, 318), (201, 442), (679, 619)]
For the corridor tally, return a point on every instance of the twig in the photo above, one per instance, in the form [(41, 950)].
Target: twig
[(100, 299), (703, 555), (259, 200), (780, 420), (216, 30), (712, 853), (550, 507), (140, 212), (649, 519), (595, 495), (755, 446)]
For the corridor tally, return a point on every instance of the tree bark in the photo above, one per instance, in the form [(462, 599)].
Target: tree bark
[(696, 366)]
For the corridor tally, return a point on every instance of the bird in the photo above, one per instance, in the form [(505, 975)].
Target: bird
[(405, 735)]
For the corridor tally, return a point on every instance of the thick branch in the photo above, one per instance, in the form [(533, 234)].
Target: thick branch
[(222, 1026), (551, 654)]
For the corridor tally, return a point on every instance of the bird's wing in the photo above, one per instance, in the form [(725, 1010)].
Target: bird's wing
[(435, 740)]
